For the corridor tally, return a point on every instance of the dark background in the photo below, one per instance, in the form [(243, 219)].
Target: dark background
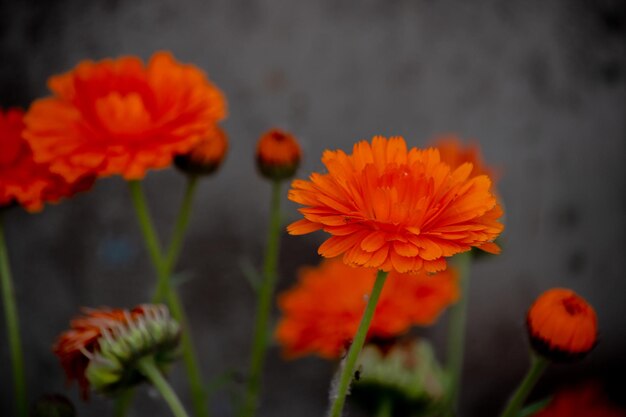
[(539, 84)]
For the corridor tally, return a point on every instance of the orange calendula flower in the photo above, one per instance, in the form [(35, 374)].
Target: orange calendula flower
[(102, 346), (119, 116), (22, 180), (278, 155), (391, 208), (562, 326), (322, 312), (206, 156), (585, 401)]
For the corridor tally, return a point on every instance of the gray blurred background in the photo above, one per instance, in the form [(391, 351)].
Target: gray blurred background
[(539, 84)]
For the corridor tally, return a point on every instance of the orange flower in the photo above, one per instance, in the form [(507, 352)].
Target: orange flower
[(391, 208), (121, 117), (206, 156), (562, 326), (322, 312), (584, 401), (22, 180), (455, 154), (278, 154)]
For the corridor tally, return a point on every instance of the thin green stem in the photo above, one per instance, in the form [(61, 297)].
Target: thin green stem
[(163, 266), (264, 306), (173, 251), (537, 366), (13, 328), (534, 408), (347, 371), (149, 233), (456, 331), (123, 402), (149, 369)]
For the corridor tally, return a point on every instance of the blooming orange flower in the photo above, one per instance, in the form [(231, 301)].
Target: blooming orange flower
[(585, 401), (278, 154), (83, 337), (322, 312), (22, 180), (121, 117), (391, 208), (562, 325), (206, 156)]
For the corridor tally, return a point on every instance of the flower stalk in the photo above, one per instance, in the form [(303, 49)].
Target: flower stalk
[(456, 331), (149, 369), (338, 397), (538, 364), (163, 266), (264, 305), (13, 328)]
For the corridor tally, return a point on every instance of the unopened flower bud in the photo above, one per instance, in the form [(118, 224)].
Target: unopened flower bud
[(278, 155), (206, 156), (562, 326)]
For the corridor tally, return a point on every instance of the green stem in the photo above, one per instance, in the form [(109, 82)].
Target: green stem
[(176, 242), (456, 331), (13, 328), (123, 402), (149, 369), (163, 268), (339, 396), (264, 306), (537, 366)]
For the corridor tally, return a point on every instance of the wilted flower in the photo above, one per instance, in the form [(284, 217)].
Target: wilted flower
[(322, 312), (121, 117), (102, 347), (392, 208), (562, 326)]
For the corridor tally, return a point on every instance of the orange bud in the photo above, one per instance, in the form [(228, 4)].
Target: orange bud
[(278, 155), (562, 326), (206, 156)]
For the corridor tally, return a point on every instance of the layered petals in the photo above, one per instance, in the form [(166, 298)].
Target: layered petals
[(122, 117), (24, 181), (393, 208)]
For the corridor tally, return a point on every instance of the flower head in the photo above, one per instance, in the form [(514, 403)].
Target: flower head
[(584, 401), (322, 312), (562, 326), (206, 156), (122, 117), (278, 155), (392, 208), (102, 346), (22, 180)]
